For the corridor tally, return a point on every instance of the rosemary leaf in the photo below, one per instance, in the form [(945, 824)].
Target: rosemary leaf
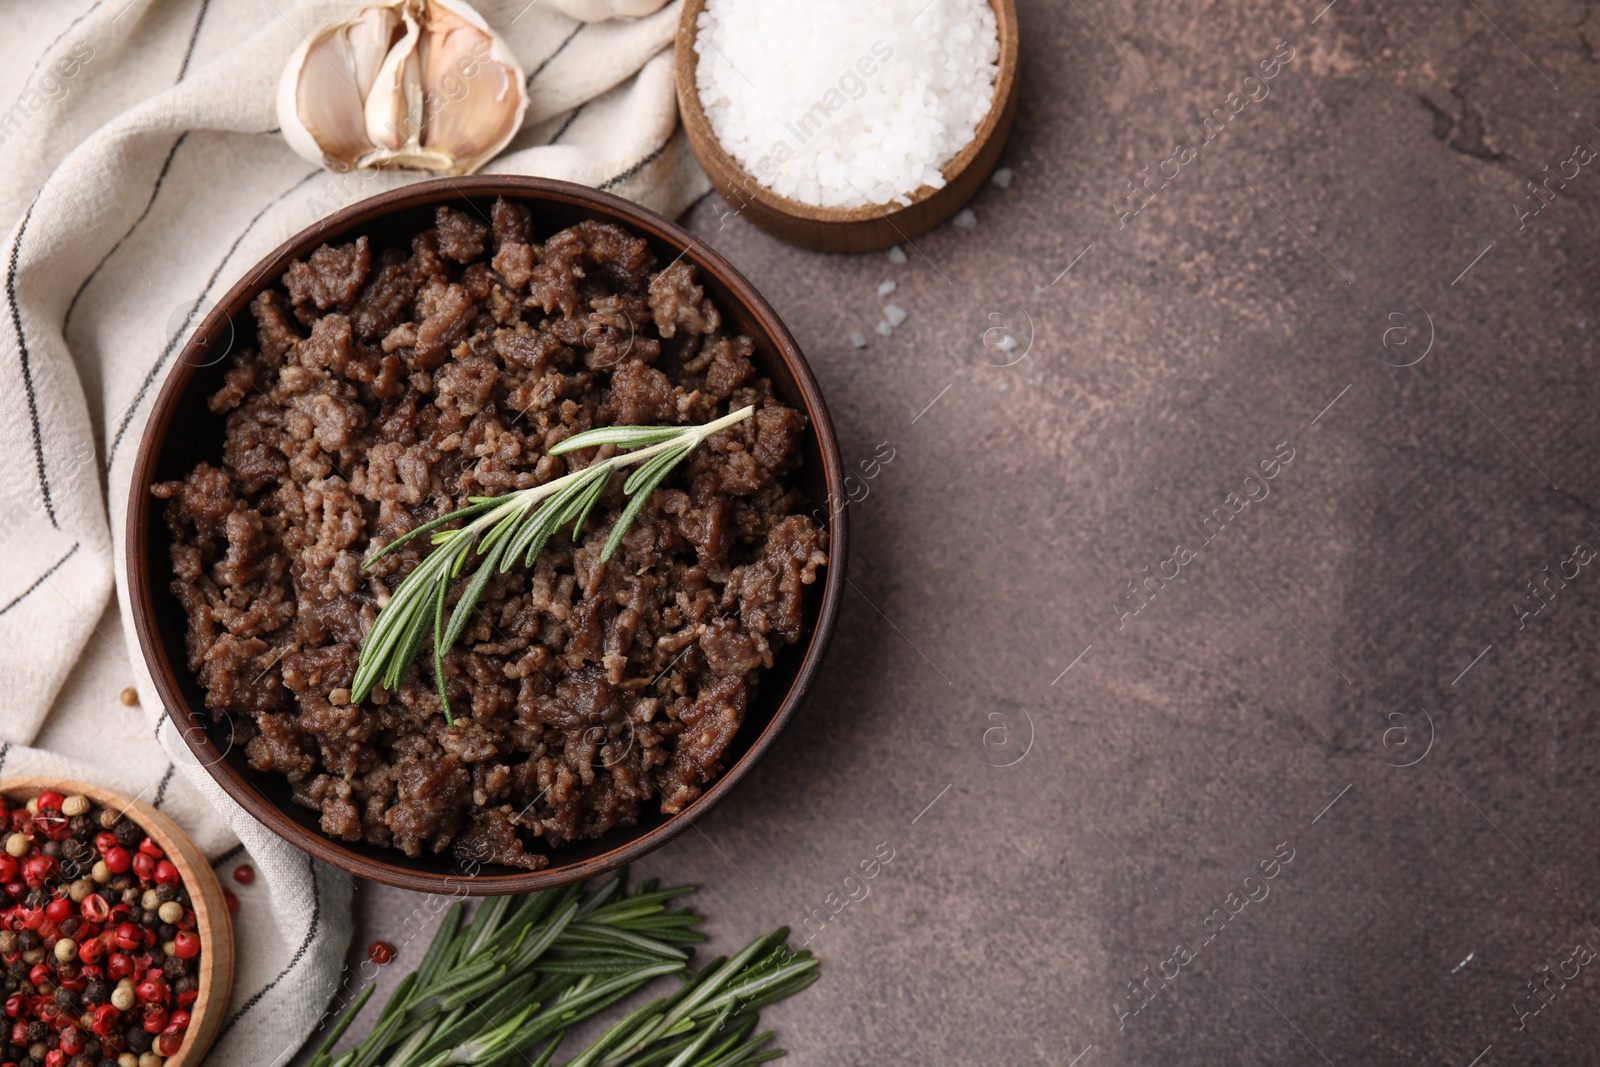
[(507, 530)]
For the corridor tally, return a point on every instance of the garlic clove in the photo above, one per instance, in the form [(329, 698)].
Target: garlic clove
[(393, 108), (371, 35), (320, 109), (422, 84), (467, 67)]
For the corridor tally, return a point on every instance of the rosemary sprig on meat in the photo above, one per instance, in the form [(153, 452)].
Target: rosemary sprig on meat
[(504, 530), (525, 970)]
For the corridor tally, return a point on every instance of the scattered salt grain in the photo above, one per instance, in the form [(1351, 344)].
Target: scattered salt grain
[(897, 255), (838, 103), (858, 339), (885, 288), (1007, 344), (965, 219), (884, 329), (894, 313), (1002, 177)]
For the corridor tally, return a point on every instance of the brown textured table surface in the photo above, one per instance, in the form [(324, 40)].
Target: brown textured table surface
[(1073, 775)]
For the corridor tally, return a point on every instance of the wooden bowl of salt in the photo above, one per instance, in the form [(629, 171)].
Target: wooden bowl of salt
[(849, 229)]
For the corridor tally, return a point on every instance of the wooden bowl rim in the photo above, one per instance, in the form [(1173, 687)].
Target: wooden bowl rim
[(205, 894), (703, 139), (140, 513)]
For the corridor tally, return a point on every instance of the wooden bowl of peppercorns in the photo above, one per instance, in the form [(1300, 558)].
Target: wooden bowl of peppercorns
[(115, 941)]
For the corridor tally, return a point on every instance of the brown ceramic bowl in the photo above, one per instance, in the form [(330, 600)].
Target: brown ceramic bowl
[(849, 229), (182, 431), (205, 896)]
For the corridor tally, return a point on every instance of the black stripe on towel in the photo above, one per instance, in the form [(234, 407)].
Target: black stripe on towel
[(37, 582), (299, 954), (27, 368)]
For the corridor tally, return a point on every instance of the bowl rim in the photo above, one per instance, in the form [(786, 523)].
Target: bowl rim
[(141, 512), (697, 125), (206, 896)]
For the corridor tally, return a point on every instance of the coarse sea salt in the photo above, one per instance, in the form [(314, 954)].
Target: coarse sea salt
[(897, 255), (839, 103), (885, 288)]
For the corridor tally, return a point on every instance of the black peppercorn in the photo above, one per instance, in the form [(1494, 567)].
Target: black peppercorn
[(81, 826), (91, 1047), (68, 1000), (38, 898), (166, 932), (123, 882), (80, 1060), (138, 1039), (174, 968), (28, 939), (186, 984), (150, 920), (38, 1030), (129, 834), (71, 925), (51, 848), (166, 892), (97, 991)]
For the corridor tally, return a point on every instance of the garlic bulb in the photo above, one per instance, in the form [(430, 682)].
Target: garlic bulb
[(600, 10), (421, 84)]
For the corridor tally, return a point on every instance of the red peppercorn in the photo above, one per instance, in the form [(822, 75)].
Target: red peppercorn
[(38, 868), (106, 1017), (151, 991), (19, 1033), (16, 1004), (186, 1000), (58, 909), (50, 801), (71, 1040), (186, 945), (9, 867), (94, 908), (105, 841), (380, 952), (55, 1058), (244, 874), (129, 937), (155, 1018), (151, 849), (40, 974), (143, 866), (16, 889), (231, 898), (168, 1043), (118, 860), (166, 873), (119, 965), (178, 1021)]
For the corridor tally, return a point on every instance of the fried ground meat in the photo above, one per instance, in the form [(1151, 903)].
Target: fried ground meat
[(386, 387)]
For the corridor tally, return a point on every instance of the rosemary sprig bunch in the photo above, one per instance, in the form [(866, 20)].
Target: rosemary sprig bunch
[(504, 530), (524, 970)]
